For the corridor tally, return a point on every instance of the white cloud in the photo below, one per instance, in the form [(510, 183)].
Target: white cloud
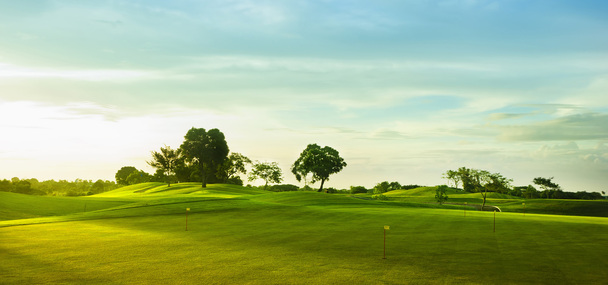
[(8, 71)]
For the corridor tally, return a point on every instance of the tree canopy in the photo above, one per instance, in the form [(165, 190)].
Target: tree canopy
[(206, 149), (477, 180), (548, 186), (123, 173), (166, 161), (320, 162), (440, 194), (270, 172)]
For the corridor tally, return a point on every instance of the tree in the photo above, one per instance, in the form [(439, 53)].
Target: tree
[(270, 172), (482, 181), (530, 192), (138, 176), (440, 194), (232, 166), (166, 161), (382, 187), (547, 185), (98, 187), (453, 176), (23, 187), (123, 173), (357, 189), (320, 162), (206, 149), (394, 186)]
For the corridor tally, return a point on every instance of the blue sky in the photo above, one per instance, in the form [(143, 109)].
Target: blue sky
[(405, 90)]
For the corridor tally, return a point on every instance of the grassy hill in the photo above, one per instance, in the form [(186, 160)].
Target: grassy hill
[(138, 234), (20, 206), (506, 203)]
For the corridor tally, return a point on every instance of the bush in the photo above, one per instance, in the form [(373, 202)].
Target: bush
[(283, 188), (357, 189), (331, 190), (235, 180), (379, 197), (307, 188)]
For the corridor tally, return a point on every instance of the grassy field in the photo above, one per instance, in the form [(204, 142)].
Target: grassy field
[(138, 234)]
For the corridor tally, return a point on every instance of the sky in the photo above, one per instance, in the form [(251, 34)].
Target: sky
[(404, 90)]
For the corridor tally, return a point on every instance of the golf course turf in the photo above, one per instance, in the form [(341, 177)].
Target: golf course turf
[(137, 234)]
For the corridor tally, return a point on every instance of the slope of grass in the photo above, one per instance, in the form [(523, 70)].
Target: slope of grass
[(155, 189), (20, 206)]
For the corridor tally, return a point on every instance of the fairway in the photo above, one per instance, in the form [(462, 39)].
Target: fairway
[(241, 235)]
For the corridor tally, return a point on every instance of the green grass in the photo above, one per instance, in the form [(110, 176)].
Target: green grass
[(236, 235), (20, 206)]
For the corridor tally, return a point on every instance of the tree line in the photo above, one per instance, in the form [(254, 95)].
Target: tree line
[(78, 187), (483, 181)]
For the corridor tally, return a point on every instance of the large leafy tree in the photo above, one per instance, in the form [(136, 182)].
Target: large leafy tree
[(123, 173), (321, 162), (167, 160), (205, 149), (270, 172)]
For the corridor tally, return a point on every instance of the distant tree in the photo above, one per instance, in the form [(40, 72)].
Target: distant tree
[(233, 165), (205, 149), (498, 183), (394, 186), (167, 160), (382, 187), (441, 194), (357, 189), (530, 192), (481, 181), (453, 176), (138, 176), (23, 187), (6, 186), (547, 185), (270, 172), (98, 187), (320, 162), (123, 173), (284, 188)]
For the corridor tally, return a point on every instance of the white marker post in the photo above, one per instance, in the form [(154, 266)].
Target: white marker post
[(187, 210), (385, 229)]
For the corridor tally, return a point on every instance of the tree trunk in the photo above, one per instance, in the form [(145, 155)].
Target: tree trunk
[(321, 188), (203, 177)]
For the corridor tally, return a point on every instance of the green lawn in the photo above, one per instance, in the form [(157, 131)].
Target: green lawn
[(238, 235)]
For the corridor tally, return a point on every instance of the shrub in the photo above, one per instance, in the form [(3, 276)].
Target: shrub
[(331, 190), (307, 188), (283, 188), (379, 197), (357, 189)]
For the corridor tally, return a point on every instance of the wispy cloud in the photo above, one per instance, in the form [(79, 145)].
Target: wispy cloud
[(11, 71), (586, 126)]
